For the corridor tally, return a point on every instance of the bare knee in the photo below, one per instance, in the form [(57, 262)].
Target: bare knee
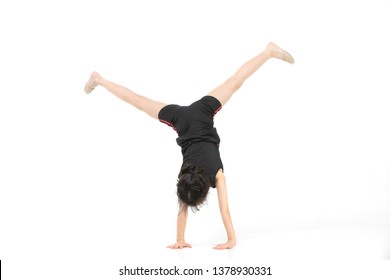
[(149, 106), (235, 82)]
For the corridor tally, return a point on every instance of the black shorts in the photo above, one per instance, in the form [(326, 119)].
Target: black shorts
[(193, 123)]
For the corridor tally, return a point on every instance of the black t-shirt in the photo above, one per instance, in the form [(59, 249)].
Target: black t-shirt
[(197, 136)]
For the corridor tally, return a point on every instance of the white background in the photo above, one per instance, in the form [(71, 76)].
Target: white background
[(87, 183)]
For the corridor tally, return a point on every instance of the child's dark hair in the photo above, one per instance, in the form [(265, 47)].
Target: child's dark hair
[(192, 186)]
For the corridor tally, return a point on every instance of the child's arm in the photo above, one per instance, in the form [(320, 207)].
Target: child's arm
[(181, 227), (225, 214)]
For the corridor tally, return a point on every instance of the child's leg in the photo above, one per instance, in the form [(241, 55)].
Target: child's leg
[(151, 107), (226, 90)]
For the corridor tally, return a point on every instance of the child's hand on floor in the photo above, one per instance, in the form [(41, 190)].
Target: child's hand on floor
[(228, 245), (179, 245)]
